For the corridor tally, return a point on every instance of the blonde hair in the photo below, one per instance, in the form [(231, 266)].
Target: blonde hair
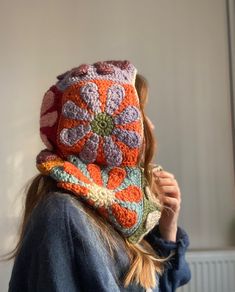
[(144, 261)]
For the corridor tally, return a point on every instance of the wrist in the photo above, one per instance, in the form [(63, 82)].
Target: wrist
[(168, 233)]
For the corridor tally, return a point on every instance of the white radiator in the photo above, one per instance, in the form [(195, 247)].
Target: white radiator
[(212, 271)]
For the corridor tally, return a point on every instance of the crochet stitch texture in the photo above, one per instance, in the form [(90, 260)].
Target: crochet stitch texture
[(92, 126)]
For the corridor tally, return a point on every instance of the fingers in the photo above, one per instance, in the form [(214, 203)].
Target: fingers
[(164, 178), (172, 191), (172, 203), (162, 173), (166, 186), (165, 181)]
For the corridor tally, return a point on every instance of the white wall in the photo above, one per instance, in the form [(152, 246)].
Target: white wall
[(180, 46)]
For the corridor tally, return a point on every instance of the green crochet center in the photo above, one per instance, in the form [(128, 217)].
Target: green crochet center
[(102, 124)]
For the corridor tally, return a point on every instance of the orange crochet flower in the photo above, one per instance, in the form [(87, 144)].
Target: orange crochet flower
[(111, 190), (101, 122)]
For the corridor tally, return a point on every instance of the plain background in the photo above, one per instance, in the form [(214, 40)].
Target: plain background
[(181, 47)]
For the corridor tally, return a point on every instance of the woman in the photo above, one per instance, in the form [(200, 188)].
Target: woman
[(99, 216)]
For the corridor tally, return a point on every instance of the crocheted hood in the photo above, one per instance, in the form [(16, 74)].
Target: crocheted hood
[(92, 125), (93, 112)]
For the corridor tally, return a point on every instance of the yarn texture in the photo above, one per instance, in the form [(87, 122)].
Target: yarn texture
[(92, 126)]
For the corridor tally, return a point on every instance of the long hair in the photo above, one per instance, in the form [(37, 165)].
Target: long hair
[(144, 261)]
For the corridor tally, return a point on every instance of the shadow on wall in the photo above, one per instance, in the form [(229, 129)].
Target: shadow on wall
[(17, 154), (11, 204), (232, 232)]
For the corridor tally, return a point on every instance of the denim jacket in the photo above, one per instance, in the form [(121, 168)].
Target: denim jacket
[(62, 252)]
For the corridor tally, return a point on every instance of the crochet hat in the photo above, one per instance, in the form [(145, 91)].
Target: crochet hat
[(92, 126), (93, 112)]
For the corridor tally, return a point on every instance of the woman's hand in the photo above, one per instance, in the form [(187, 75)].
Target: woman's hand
[(167, 190)]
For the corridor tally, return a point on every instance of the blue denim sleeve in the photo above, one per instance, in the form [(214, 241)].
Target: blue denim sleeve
[(94, 266), (60, 253), (44, 262), (177, 272)]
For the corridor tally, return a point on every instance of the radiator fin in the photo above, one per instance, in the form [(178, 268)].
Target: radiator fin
[(212, 271)]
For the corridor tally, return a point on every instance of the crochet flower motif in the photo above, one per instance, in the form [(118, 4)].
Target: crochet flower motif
[(118, 193), (115, 192), (101, 123)]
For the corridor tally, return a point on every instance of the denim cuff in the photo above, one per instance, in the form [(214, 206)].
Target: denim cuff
[(164, 247)]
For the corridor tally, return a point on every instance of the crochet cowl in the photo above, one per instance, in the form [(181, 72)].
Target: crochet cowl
[(92, 126)]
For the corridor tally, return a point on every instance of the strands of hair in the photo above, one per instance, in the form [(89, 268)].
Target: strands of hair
[(144, 261)]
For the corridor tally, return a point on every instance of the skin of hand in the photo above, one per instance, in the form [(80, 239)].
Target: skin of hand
[(165, 187)]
